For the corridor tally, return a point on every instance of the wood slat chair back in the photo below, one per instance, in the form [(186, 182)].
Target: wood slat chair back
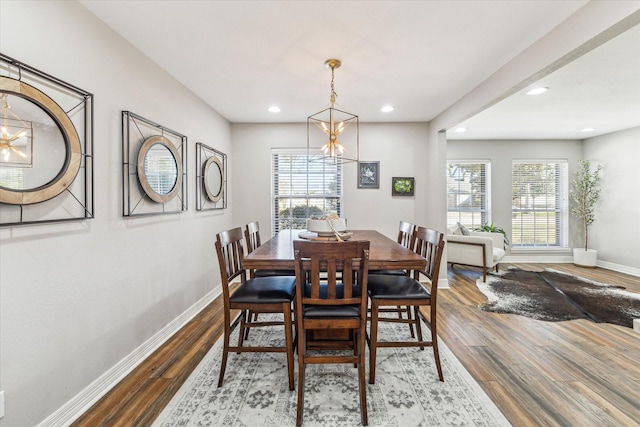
[(331, 295), (406, 235), (252, 236), (230, 256)]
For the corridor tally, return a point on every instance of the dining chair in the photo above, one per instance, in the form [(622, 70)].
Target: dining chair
[(273, 294), (331, 295), (405, 238), (390, 290)]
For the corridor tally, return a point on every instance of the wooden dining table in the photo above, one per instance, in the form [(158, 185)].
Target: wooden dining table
[(384, 253)]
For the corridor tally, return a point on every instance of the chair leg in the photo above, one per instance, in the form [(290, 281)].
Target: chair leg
[(373, 342), (244, 329), (286, 309), (434, 340), (300, 406), (413, 335), (225, 350), (416, 318), (252, 317), (361, 379)]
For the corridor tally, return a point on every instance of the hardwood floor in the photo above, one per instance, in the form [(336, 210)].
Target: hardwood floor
[(575, 373)]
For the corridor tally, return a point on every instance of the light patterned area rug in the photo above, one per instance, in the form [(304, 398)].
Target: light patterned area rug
[(255, 391)]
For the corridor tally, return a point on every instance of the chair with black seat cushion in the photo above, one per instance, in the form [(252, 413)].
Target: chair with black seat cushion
[(331, 295), (395, 290), (272, 294), (253, 241), (405, 238)]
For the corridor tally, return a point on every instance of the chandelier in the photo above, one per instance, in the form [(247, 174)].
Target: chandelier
[(337, 138), (16, 137)]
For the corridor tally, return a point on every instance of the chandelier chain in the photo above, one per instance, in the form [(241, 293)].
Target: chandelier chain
[(334, 95)]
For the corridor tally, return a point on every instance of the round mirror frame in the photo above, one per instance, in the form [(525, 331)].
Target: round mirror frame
[(142, 178), (213, 197), (73, 157)]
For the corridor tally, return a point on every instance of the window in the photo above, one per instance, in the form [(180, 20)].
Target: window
[(303, 189), (468, 184), (12, 178), (540, 206)]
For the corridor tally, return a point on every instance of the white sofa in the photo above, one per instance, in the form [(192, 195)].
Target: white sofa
[(478, 249)]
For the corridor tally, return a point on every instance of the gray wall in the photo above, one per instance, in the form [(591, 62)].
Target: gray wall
[(77, 298), (395, 145), (615, 233)]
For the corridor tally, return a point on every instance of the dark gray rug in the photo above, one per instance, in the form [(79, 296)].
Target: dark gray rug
[(554, 296)]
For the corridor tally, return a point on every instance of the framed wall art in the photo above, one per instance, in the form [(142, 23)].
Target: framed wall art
[(368, 174), (211, 178), (402, 186), (46, 147), (154, 168)]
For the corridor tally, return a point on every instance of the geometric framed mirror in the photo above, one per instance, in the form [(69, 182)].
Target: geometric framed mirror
[(154, 168), (46, 146), (211, 178)]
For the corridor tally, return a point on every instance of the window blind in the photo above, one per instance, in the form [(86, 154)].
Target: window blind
[(303, 189), (468, 184), (539, 203)]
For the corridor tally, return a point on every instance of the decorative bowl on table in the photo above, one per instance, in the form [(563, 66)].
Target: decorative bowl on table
[(322, 227)]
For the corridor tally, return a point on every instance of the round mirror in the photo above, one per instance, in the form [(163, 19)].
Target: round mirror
[(40, 151), (159, 169), (213, 179)]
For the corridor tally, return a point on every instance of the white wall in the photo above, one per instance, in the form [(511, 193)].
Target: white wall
[(615, 233), (77, 297), (396, 146)]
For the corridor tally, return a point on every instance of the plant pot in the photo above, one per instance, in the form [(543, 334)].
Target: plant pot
[(582, 258)]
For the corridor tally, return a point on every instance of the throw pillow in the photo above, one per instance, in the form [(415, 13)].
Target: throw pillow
[(463, 229), (455, 230)]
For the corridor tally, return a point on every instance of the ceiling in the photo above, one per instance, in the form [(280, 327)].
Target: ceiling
[(241, 57)]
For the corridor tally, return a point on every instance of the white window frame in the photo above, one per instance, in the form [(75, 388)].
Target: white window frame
[(551, 206), (323, 191), (459, 183)]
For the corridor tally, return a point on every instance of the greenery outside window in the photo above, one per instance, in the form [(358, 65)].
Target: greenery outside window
[(303, 189), (468, 192), (539, 204)]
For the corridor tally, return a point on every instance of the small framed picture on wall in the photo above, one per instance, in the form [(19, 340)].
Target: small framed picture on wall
[(402, 186), (368, 174)]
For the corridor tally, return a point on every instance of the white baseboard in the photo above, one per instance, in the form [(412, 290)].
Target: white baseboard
[(544, 259), (619, 268), (80, 403)]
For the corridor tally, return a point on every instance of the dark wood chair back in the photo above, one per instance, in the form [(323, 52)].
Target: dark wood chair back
[(230, 255), (331, 273), (252, 236), (430, 245), (406, 235)]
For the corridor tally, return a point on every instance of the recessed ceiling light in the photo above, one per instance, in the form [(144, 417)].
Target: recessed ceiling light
[(588, 129), (460, 130), (537, 90), (274, 109), (387, 108)]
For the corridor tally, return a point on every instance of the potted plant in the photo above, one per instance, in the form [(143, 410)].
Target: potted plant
[(492, 228), (584, 193)]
